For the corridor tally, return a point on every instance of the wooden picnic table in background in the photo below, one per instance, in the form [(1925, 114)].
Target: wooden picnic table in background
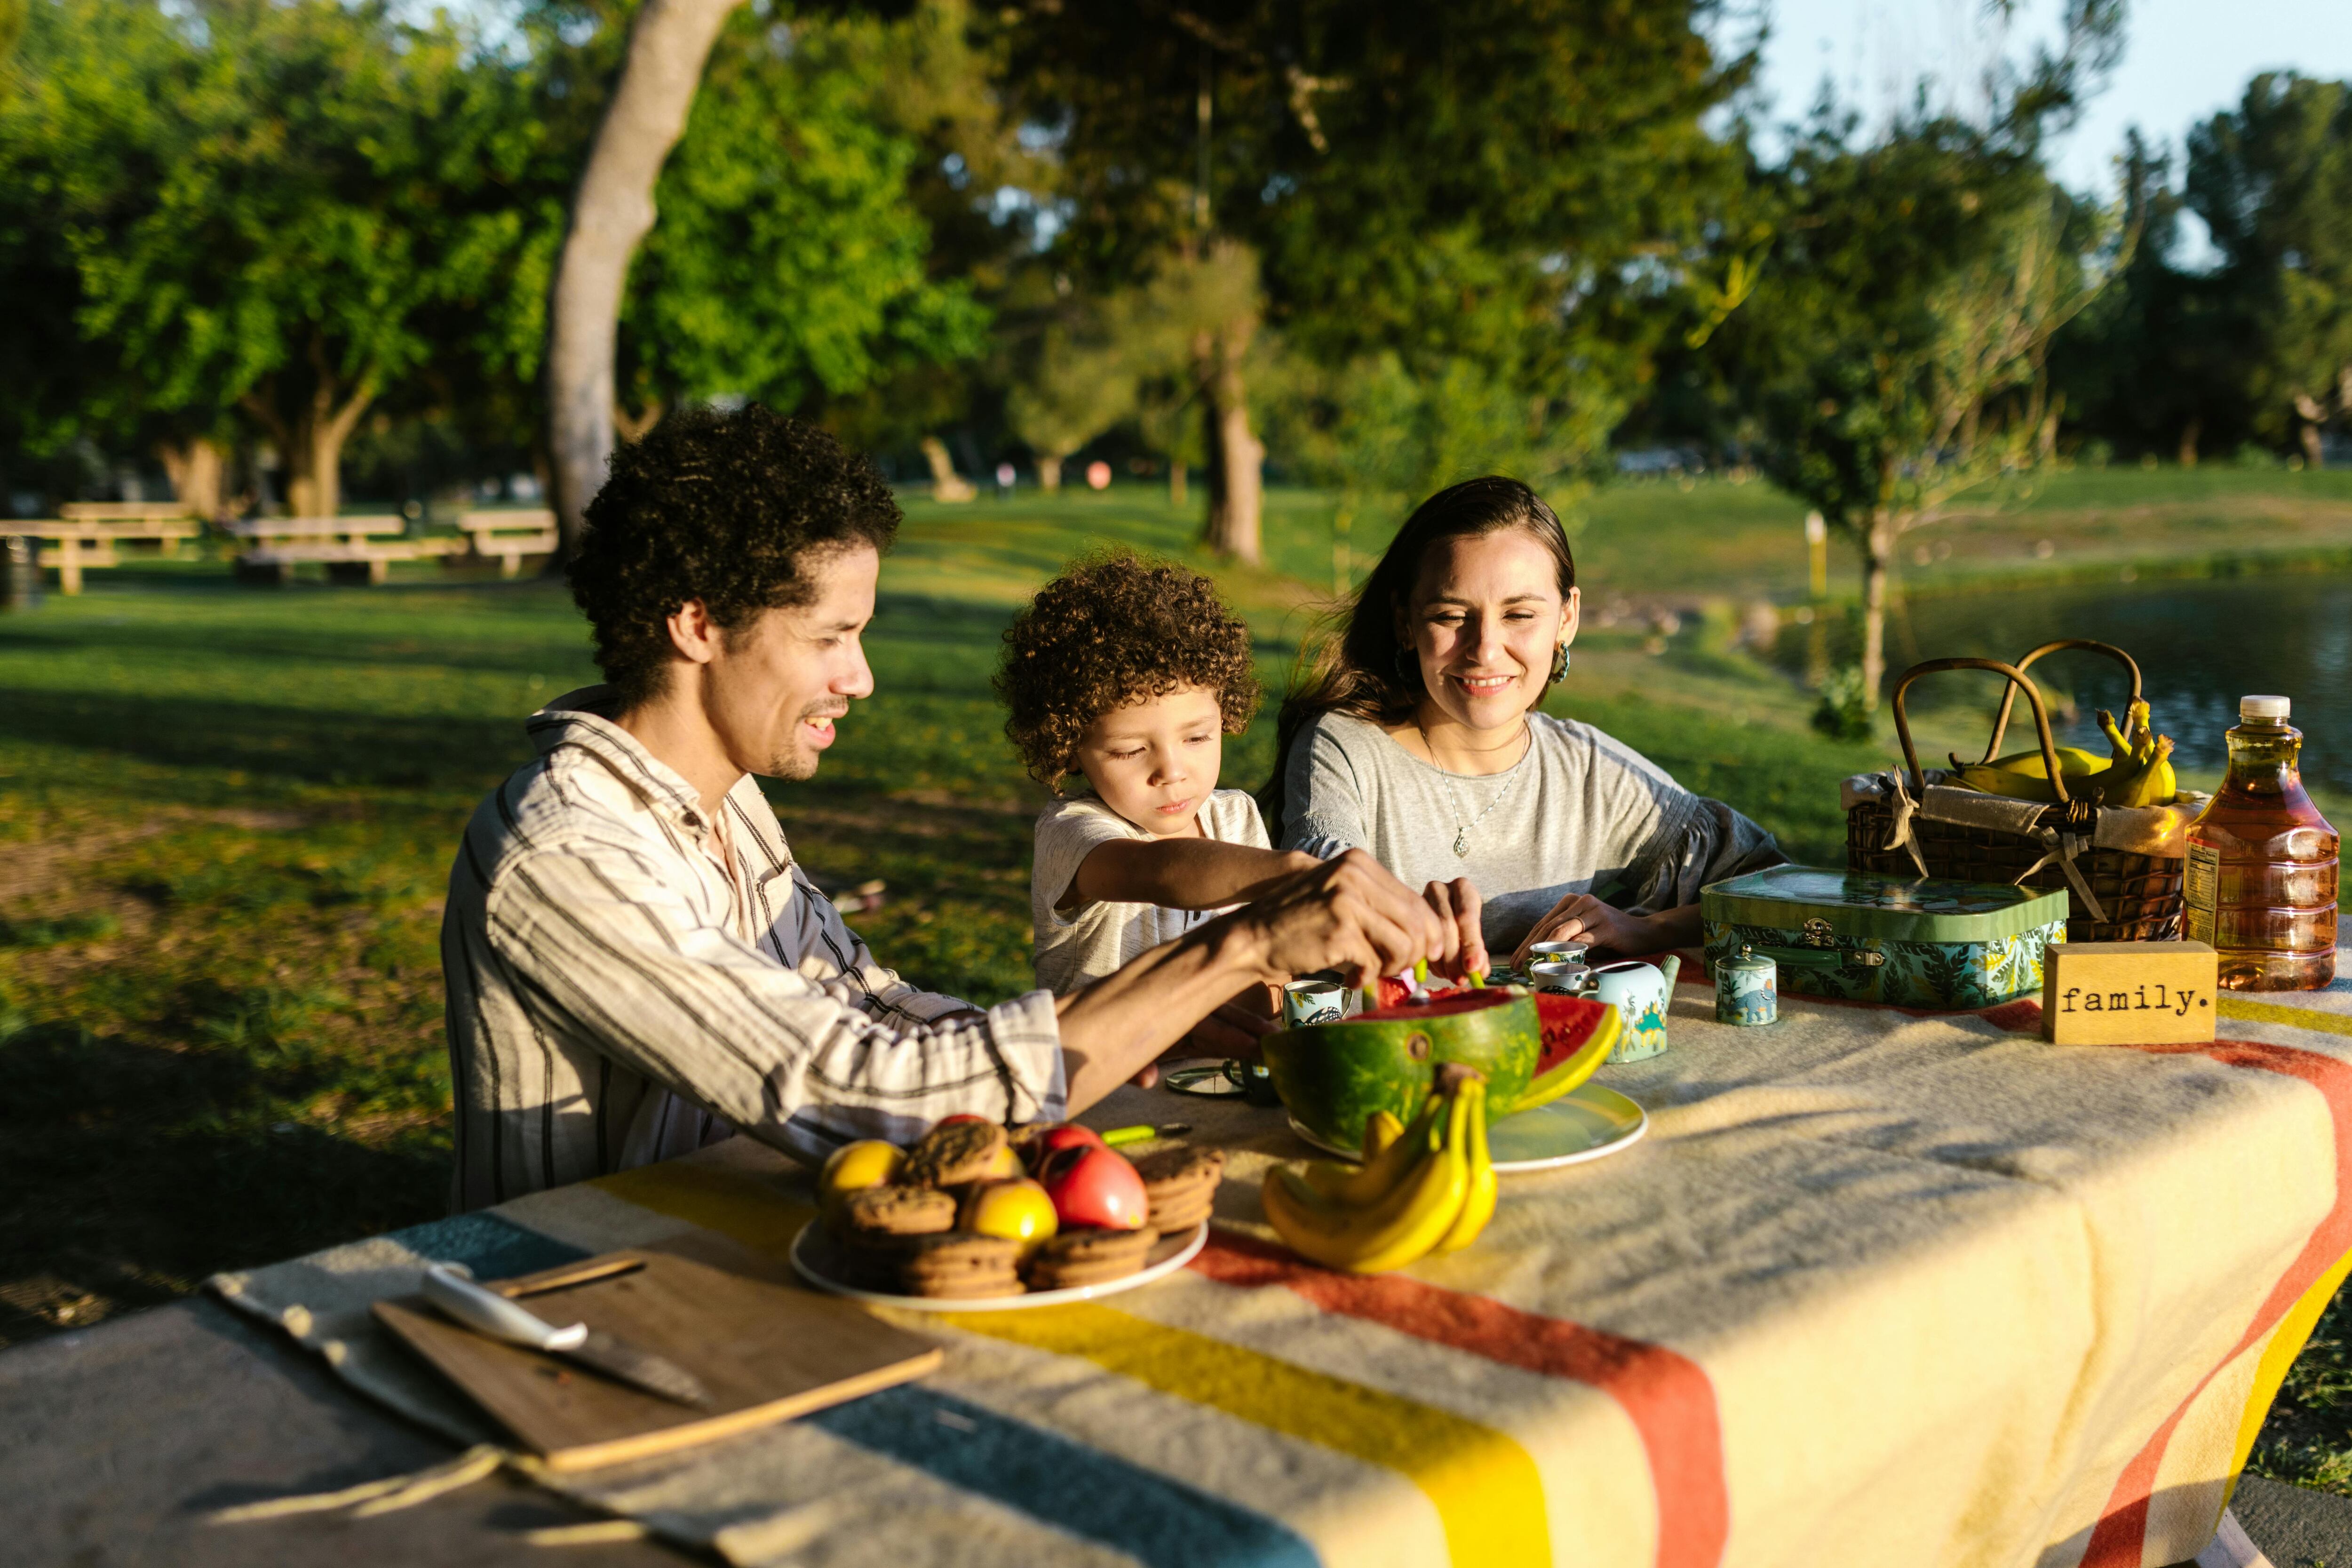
[(509, 536), (352, 549), (86, 535), (362, 549)]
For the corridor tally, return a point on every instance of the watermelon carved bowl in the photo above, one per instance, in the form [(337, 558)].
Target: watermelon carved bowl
[(1333, 1076)]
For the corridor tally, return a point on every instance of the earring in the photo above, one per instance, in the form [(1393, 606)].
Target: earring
[(1559, 663)]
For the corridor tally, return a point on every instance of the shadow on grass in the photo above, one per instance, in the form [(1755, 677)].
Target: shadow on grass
[(130, 1171), (312, 745)]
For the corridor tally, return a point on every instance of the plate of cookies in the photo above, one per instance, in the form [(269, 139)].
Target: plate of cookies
[(973, 1217)]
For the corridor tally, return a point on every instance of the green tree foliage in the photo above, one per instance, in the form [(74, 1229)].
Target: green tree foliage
[(2153, 366), (2272, 180), (1493, 196), (1080, 382), (284, 215), (263, 206), (1894, 352), (788, 264), (1896, 339)]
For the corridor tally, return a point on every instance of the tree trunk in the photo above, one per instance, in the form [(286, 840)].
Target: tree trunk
[(946, 483), (1049, 472), (2189, 434), (195, 468), (1176, 476), (610, 212), (1878, 563), (1237, 457), (310, 444)]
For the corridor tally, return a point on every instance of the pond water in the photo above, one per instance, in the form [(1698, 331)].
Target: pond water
[(2200, 644)]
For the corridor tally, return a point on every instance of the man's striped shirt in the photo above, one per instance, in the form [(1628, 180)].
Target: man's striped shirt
[(614, 999)]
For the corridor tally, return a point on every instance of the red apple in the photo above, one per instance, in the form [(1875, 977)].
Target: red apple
[(1043, 1145), (1094, 1186), (952, 1121)]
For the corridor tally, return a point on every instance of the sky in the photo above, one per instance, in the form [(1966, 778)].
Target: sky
[(2182, 60)]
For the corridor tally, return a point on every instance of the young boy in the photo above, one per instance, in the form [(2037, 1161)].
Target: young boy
[(1132, 675)]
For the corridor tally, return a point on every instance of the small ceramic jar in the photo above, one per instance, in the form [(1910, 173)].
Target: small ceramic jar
[(1747, 988)]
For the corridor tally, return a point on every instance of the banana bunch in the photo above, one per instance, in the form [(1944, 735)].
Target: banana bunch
[(1427, 1187), (2138, 773)]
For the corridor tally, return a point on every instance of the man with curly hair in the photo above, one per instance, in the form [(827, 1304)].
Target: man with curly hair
[(637, 966), (1131, 675)]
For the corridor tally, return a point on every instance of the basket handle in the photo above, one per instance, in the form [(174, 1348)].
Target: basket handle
[(2008, 693), (2017, 680)]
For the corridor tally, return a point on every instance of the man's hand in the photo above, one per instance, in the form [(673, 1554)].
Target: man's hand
[(1457, 904), (1348, 914)]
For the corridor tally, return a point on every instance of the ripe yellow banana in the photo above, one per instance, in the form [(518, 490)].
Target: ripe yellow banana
[(2016, 786), (2072, 763), (1366, 1183), (1403, 1224), (2119, 746), (1380, 1129), (1478, 1207), (2146, 780)]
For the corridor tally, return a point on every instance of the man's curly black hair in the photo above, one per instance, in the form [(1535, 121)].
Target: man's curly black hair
[(1110, 631), (727, 508)]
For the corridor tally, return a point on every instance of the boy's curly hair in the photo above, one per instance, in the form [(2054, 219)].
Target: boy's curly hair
[(1111, 631), (727, 508)]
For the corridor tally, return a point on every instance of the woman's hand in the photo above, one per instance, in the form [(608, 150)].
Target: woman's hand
[(1580, 916), (1457, 904)]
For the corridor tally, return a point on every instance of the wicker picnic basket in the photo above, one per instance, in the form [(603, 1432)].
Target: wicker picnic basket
[(2129, 860)]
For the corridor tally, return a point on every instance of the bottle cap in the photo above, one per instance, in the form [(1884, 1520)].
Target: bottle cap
[(2262, 707)]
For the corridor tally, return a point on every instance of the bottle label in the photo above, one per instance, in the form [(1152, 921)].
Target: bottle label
[(2201, 893)]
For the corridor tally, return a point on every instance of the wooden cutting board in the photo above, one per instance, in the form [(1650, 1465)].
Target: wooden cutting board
[(766, 1351)]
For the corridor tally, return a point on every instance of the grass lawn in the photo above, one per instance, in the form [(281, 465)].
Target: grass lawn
[(226, 818)]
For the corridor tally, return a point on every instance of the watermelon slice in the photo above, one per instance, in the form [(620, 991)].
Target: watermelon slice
[(1395, 988), (1332, 1077), (1578, 1035)]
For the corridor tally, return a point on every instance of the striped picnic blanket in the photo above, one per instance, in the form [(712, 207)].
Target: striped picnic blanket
[(1874, 1287)]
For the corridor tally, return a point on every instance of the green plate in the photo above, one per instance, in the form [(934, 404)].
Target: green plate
[(1586, 1123)]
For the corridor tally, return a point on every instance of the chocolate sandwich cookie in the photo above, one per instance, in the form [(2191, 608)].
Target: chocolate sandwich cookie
[(1088, 1256), (1181, 1184), (880, 1225), (957, 1152), (961, 1265), (899, 1209)]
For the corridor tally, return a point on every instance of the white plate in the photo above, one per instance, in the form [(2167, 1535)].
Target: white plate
[(812, 1247), (1589, 1122)]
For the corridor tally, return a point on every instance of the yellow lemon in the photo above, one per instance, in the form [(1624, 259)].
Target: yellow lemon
[(854, 1167)]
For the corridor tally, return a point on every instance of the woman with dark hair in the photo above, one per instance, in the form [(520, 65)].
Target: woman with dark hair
[(1417, 737)]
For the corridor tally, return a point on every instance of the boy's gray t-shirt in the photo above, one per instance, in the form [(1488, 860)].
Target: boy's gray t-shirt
[(1581, 812), (1091, 941)]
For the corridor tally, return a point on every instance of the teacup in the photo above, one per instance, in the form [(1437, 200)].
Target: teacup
[(1316, 999), (1639, 992), (1564, 976)]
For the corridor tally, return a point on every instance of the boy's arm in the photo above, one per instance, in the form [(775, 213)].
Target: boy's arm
[(1181, 873)]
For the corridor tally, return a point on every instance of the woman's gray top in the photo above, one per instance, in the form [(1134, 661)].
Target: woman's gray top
[(1581, 812)]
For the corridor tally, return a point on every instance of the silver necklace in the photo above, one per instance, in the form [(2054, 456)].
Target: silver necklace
[(1461, 830)]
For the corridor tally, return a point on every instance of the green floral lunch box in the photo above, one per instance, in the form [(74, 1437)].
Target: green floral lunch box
[(1907, 942)]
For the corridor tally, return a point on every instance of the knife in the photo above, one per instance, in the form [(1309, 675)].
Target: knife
[(487, 1312)]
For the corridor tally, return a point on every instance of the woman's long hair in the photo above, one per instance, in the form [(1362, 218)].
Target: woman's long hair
[(1356, 666)]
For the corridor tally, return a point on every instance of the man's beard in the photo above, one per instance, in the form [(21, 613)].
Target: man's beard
[(795, 766)]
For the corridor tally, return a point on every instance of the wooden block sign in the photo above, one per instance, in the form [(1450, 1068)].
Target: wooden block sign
[(2128, 994)]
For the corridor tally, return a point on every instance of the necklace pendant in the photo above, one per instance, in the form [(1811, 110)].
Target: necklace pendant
[(1461, 844)]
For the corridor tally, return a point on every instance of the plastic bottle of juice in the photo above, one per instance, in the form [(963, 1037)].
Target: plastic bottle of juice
[(2261, 863)]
